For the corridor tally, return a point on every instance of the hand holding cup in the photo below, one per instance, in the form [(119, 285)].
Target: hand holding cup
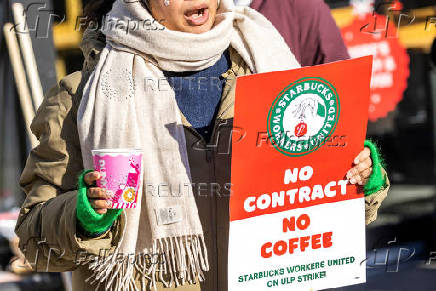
[(98, 197)]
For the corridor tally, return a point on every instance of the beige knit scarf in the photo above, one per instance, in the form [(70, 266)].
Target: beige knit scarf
[(119, 110)]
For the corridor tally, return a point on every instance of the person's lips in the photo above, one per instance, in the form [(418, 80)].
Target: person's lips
[(198, 15)]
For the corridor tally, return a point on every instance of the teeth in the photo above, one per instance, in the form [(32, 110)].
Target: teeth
[(198, 14)]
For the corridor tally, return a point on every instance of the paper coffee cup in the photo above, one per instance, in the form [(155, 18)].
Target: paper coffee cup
[(121, 171)]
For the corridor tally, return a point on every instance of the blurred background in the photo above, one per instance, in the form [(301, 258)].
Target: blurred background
[(400, 35)]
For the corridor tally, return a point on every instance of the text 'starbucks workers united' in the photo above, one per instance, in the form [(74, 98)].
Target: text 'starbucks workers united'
[(303, 116)]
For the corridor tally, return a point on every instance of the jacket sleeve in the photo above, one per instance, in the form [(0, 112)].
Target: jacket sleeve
[(47, 222), (373, 202)]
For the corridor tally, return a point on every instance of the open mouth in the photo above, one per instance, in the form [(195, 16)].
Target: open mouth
[(197, 16)]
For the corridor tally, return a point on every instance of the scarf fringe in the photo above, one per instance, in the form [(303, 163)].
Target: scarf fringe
[(174, 261)]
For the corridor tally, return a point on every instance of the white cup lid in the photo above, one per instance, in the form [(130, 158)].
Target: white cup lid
[(117, 151)]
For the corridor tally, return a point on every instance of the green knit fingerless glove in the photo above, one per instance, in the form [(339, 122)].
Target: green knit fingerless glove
[(89, 220), (377, 180)]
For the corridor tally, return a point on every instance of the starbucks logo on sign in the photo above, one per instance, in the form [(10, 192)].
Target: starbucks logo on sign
[(303, 116)]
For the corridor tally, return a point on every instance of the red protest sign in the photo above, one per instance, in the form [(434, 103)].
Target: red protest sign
[(301, 131)]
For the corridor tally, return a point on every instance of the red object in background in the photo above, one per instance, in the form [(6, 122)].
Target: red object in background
[(397, 5), (374, 35)]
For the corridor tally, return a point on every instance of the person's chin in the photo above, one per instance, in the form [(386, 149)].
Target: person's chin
[(200, 29)]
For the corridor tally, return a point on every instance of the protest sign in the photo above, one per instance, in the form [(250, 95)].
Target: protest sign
[(295, 221)]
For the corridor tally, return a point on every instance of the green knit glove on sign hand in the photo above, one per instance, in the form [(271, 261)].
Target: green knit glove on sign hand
[(377, 180), (89, 220)]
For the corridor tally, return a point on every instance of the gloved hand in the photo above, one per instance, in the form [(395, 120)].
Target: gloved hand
[(368, 170), (92, 211)]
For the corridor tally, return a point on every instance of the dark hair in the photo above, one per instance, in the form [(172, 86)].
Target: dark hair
[(95, 9)]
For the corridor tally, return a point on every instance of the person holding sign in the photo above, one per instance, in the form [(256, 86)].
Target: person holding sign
[(160, 76)]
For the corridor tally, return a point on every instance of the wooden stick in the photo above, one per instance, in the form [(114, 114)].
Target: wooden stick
[(20, 80), (28, 54)]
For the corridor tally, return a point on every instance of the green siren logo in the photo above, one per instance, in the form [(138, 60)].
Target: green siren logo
[(303, 116)]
